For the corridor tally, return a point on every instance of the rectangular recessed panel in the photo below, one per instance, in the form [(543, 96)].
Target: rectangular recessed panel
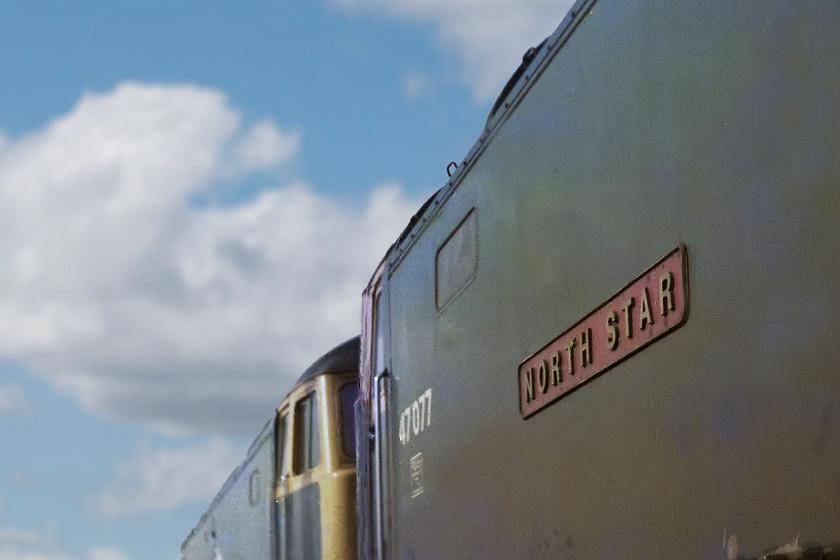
[(456, 261)]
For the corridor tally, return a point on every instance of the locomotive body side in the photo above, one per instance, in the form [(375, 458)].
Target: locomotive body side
[(641, 128), (238, 522)]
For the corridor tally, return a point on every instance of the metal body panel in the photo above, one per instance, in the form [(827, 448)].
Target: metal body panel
[(374, 444), (299, 515), (709, 124), (238, 524)]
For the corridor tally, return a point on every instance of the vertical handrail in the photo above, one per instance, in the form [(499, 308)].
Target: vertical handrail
[(380, 464)]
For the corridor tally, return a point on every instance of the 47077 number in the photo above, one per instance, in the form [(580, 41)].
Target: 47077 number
[(416, 417)]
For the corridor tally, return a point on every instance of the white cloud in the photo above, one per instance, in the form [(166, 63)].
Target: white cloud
[(10, 553), (262, 147), (41, 543), (489, 36), (160, 480), (149, 309), (415, 85), (13, 536), (106, 553), (30, 544), (12, 399)]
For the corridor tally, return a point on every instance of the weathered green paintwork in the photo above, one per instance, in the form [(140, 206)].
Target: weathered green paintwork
[(641, 125), (299, 515), (238, 524)]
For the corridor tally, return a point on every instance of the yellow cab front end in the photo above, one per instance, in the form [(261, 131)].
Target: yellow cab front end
[(316, 484)]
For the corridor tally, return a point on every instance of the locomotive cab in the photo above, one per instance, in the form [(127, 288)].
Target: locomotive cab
[(315, 483), (294, 494)]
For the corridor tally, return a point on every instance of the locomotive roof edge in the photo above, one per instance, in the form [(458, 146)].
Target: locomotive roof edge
[(534, 61), (343, 357)]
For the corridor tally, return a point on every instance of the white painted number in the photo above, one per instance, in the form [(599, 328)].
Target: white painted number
[(415, 418)]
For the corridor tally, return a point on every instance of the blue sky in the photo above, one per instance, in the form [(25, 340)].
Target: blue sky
[(192, 197)]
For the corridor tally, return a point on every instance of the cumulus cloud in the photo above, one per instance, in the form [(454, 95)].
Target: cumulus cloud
[(147, 308), (30, 544), (262, 147), (415, 85), (153, 480), (12, 399), (9, 553), (41, 543), (107, 553), (489, 36)]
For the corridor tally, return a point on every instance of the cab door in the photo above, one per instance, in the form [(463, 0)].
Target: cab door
[(373, 490), (299, 506)]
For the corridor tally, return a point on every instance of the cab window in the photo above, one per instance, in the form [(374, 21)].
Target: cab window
[(307, 448), (347, 428), (282, 467)]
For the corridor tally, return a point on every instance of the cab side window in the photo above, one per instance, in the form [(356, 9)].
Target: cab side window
[(347, 428), (282, 466), (307, 448)]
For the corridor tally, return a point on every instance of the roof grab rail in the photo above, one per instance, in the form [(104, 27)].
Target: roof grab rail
[(529, 55)]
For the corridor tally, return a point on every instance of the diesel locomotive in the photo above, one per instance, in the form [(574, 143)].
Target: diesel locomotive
[(294, 494), (613, 332)]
